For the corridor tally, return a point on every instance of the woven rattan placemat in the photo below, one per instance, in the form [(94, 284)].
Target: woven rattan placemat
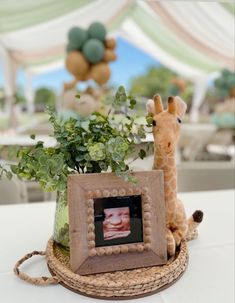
[(128, 284)]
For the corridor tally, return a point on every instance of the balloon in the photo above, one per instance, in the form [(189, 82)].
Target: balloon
[(88, 54), (180, 84), (225, 72), (77, 64), (77, 37), (100, 73), (93, 50), (70, 47), (231, 80), (232, 92), (70, 85), (97, 30), (110, 43), (109, 55)]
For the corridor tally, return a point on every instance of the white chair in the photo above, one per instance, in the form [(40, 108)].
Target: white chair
[(197, 176), (13, 191), (200, 176)]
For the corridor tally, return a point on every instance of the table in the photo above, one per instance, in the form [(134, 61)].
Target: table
[(222, 150), (208, 278), (193, 138), (25, 140)]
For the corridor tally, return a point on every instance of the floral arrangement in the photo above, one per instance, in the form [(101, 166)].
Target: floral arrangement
[(95, 144)]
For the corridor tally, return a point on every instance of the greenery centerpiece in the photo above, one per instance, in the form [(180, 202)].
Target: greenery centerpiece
[(98, 143)]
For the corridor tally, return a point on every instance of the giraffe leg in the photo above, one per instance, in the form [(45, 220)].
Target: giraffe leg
[(170, 243), (180, 224), (178, 235), (179, 231)]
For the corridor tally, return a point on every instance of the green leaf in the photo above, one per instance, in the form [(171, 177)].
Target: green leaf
[(32, 136), (121, 89), (14, 169), (117, 156), (103, 166), (93, 117), (149, 120), (122, 166), (142, 154), (39, 144), (42, 159), (137, 139), (97, 151), (85, 125), (81, 148), (141, 132), (78, 96), (79, 158), (78, 123), (132, 103)]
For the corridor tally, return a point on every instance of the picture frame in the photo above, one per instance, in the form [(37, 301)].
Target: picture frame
[(116, 225)]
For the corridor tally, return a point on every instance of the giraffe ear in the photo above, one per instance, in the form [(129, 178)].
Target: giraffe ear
[(181, 107), (158, 104), (150, 107)]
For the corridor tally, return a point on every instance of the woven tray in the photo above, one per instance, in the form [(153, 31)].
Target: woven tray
[(118, 285)]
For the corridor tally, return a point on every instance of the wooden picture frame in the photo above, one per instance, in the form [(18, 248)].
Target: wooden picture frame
[(86, 256)]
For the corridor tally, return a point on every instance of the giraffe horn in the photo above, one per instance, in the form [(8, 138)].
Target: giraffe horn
[(158, 104), (171, 105)]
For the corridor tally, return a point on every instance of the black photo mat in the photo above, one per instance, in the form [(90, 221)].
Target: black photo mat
[(127, 207)]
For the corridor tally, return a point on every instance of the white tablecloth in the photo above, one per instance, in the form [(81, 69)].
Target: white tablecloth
[(209, 277), (25, 140)]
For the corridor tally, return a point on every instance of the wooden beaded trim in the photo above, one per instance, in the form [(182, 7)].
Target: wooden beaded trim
[(123, 248)]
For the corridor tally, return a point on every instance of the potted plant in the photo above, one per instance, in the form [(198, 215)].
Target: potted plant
[(96, 144)]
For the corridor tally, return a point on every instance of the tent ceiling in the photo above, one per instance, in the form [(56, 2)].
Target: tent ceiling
[(193, 38), (193, 32), (53, 33), (16, 15)]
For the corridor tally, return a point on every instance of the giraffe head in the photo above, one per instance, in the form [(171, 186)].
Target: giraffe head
[(166, 123)]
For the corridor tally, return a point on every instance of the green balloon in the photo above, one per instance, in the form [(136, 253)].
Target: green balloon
[(97, 30), (77, 37), (231, 80), (70, 47), (226, 73), (93, 50)]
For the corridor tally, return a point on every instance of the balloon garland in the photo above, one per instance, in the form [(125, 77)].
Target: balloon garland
[(89, 52)]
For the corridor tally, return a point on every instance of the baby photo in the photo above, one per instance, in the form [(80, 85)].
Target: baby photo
[(118, 220), (116, 223)]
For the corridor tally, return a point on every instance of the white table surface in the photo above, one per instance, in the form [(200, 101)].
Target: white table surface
[(209, 277), (25, 140)]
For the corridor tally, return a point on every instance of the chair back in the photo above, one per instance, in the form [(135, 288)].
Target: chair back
[(13, 191)]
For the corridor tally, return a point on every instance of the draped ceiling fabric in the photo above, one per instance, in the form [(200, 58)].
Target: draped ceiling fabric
[(195, 39)]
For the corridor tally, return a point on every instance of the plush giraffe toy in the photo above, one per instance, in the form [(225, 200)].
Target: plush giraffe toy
[(166, 130)]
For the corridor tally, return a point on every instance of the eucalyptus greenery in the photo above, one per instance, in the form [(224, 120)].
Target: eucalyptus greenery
[(98, 143)]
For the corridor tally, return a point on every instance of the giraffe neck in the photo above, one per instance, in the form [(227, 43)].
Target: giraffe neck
[(168, 165)]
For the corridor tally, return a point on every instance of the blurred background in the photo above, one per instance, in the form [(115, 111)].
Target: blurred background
[(169, 47)]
